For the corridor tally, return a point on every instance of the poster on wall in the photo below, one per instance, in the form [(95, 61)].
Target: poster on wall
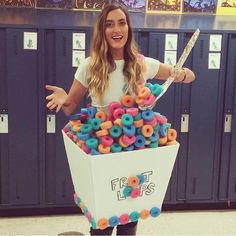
[(164, 6), (17, 3), (132, 5), (57, 4), (226, 7), (92, 5), (199, 6)]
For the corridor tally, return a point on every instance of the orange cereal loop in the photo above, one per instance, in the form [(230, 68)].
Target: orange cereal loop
[(133, 181), (118, 122), (104, 150), (144, 214), (171, 134), (76, 127), (171, 142), (103, 223), (139, 100), (144, 92), (82, 206), (162, 140), (101, 133), (120, 141), (101, 115), (147, 131), (106, 124), (138, 123), (127, 101), (75, 138), (74, 122)]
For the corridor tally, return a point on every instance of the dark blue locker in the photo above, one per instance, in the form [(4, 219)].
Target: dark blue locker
[(205, 124), (168, 104), (23, 113), (227, 183), (58, 72), (4, 158)]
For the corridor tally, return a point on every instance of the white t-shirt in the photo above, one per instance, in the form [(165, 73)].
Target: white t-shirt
[(114, 92)]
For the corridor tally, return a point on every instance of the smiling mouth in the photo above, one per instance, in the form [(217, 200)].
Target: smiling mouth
[(117, 37)]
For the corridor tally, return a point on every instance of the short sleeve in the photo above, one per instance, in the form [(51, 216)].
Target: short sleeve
[(152, 67), (81, 73)]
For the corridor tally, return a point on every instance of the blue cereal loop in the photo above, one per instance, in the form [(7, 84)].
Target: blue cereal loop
[(92, 111), (141, 179), (113, 221), (94, 152), (147, 115), (84, 111), (129, 130), (82, 136), (74, 117), (154, 137), (155, 211), (140, 141)]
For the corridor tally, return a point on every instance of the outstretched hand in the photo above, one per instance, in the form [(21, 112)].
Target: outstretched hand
[(57, 99)]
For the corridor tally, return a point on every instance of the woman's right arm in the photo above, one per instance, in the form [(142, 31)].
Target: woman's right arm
[(59, 99)]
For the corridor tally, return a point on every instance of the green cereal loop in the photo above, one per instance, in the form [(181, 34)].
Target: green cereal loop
[(115, 131), (91, 143), (115, 147), (127, 120), (153, 144), (86, 128)]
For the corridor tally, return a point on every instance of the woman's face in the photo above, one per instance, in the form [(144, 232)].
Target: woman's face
[(116, 32)]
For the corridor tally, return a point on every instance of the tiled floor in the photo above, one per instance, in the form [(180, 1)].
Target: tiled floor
[(168, 223)]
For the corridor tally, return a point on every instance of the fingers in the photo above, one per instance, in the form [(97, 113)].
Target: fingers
[(50, 87), (50, 97)]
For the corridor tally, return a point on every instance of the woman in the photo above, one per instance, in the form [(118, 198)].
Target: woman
[(113, 69)]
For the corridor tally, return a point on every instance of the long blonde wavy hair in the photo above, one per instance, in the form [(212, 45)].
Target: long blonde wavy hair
[(102, 63)]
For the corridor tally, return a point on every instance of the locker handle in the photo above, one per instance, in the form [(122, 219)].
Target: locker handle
[(184, 123), (227, 124)]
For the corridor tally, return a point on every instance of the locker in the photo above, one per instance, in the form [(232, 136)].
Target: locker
[(58, 72), (227, 183), (21, 143), (168, 104), (205, 119)]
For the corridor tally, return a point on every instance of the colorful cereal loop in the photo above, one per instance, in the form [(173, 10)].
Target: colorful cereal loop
[(113, 221), (144, 214), (104, 150), (124, 219), (96, 122), (155, 211), (147, 115), (127, 191), (149, 100), (140, 141), (121, 142), (138, 123), (147, 131), (101, 133), (113, 106), (162, 140), (106, 141), (86, 128), (118, 122), (101, 115), (127, 101), (115, 131), (127, 119), (133, 111), (171, 142), (156, 89), (141, 178), (144, 92), (139, 100), (118, 113), (135, 193), (106, 124), (91, 143), (93, 223), (171, 134), (115, 147), (133, 181), (134, 216), (103, 223)]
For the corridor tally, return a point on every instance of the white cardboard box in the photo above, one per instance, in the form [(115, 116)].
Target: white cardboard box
[(99, 180)]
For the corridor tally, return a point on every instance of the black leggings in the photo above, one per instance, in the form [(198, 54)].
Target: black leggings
[(128, 229)]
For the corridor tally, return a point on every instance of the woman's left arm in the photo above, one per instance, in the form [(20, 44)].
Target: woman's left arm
[(183, 75)]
